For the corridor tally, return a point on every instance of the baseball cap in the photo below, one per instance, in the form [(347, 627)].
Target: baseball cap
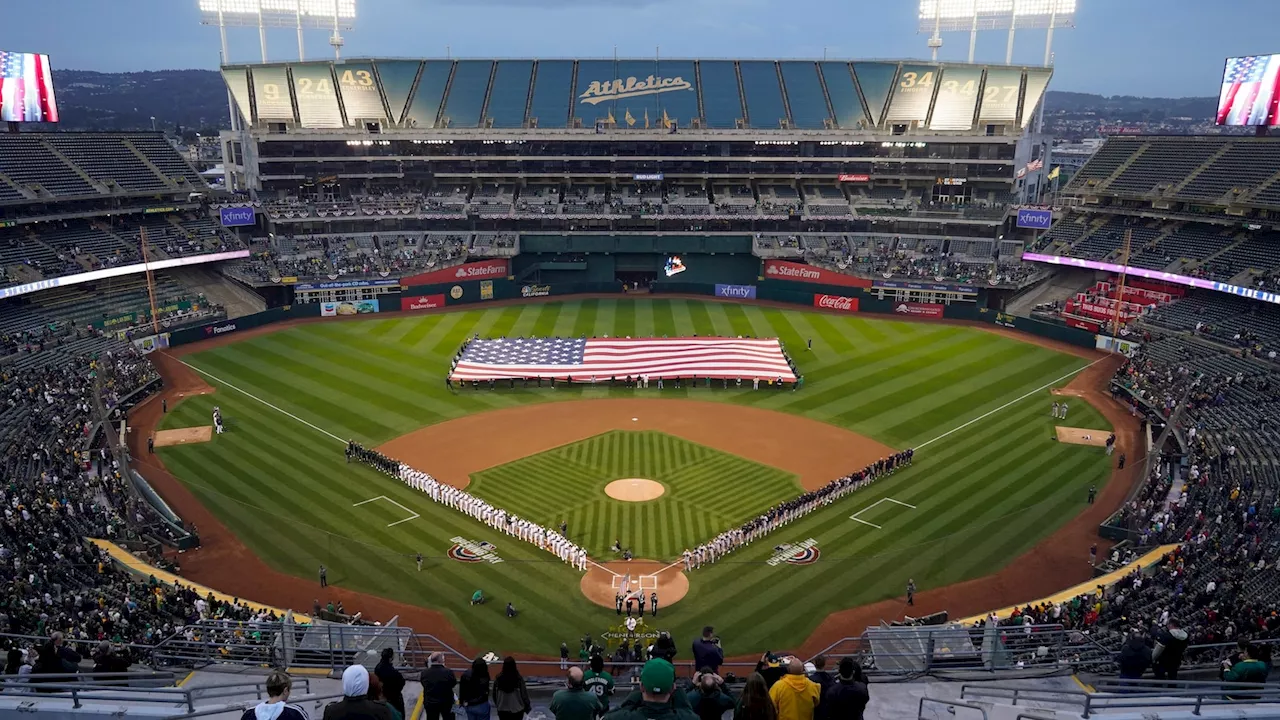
[(658, 676)]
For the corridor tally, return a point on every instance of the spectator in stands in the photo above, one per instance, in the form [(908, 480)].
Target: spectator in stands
[(1254, 668), (795, 695), (437, 688), (105, 660), (656, 698), (473, 690), (575, 702), (1171, 644), (848, 696), (391, 679), (664, 647), (510, 696), (16, 665), (817, 672), (377, 697), (707, 652), (277, 706), (355, 703), (56, 657), (709, 698), (755, 703), (1134, 658)]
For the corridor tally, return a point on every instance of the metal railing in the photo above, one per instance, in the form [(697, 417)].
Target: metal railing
[(123, 687), (949, 705), (1133, 694)]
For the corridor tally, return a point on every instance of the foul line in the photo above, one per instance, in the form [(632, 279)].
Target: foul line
[(220, 381), (855, 517), (989, 413), (414, 515)]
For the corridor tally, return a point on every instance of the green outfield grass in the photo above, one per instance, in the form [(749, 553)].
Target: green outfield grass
[(982, 494), (706, 491)]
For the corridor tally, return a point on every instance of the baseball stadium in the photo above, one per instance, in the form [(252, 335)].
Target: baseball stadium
[(554, 358)]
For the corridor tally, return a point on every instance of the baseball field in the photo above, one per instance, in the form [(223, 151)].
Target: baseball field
[(989, 480)]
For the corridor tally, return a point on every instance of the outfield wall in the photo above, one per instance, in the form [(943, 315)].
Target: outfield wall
[(750, 288)]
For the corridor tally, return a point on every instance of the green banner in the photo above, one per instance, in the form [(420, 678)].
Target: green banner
[(134, 317)]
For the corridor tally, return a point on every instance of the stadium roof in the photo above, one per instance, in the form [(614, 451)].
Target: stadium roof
[(638, 93)]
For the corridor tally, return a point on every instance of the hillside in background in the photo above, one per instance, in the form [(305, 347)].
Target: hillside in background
[(196, 101)]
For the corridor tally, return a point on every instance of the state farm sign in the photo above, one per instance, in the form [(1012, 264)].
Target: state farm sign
[(930, 310), (836, 302), (799, 272), (424, 302), (484, 270)]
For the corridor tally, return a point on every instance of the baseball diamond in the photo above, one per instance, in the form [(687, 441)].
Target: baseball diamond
[(987, 482)]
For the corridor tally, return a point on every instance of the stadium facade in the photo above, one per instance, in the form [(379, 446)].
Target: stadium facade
[(859, 157)]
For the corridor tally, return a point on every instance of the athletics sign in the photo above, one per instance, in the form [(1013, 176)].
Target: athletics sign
[(598, 92)]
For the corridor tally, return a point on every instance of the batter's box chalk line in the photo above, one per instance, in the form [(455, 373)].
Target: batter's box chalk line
[(855, 517), (412, 515)]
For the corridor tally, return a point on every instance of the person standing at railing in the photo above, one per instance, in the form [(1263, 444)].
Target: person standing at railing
[(437, 688), (276, 706), (392, 680)]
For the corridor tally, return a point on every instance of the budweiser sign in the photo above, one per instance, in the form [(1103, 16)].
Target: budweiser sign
[(799, 272), (836, 302), (425, 302), (484, 270), (855, 178)]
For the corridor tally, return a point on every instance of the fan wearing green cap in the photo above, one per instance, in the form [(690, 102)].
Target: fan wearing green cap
[(657, 699)]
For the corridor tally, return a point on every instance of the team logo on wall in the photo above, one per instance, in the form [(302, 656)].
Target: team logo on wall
[(473, 551), (597, 92), (455, 292), (802, 553)]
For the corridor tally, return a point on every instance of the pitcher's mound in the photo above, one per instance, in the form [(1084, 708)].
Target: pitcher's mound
[(602, 583), (634, 490), (184, 436), (1081, 436)]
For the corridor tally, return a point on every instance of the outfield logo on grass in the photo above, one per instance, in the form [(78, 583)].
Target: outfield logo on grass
[(803, 553), (473, 551)]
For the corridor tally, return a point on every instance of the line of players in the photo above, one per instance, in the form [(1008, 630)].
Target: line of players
[(496, 518), (794, 509)]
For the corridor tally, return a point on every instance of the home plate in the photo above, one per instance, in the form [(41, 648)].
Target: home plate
[(634, 419), (1082, 436)]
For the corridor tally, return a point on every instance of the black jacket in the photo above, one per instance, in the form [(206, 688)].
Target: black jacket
[(392, 684), (1170, 645), (357, 708), (472, 691), (707, 654), (54, 660), (437, 686), (1135, 658), (825, 680), (845, 699)]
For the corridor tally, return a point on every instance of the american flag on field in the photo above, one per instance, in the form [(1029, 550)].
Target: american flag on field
[(26, 88), (1250, 91), (604, 358)]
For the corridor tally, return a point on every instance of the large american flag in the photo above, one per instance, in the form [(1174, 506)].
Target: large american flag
[(603, 358), (26, 88), (1250, 91)]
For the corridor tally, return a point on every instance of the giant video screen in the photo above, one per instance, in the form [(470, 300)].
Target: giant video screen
[(26, 88), (1250, 91)]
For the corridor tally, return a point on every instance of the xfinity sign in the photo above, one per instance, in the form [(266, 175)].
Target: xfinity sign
[(239, 216), (741, 292), (1035, 219)]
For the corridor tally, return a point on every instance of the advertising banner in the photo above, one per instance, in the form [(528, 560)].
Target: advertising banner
[(239, 216), (1092, 327), (486, 289), (151, 343), (1006, 320), (739, 292), (1106, 343), (530, 291), (343, 284), (484, 270), (914, 309), (423, 302), (855, 177), (835, 302), (1034, 219), (930, 287), (799, 272), (348, 307)]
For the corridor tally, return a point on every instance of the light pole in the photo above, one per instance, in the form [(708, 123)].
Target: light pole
[(972, 16)]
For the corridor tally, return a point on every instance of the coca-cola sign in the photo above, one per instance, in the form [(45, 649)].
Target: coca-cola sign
[(836, 302)]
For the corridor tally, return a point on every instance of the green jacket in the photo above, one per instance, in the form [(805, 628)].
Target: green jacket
[(599, 684), (1247, 671), (651, 711), (575, 704)]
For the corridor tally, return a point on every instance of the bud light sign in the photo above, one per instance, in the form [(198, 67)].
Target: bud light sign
[(1035, 219), (741, 292), (237, 216)]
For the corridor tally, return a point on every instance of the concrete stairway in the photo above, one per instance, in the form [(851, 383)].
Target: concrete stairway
[(1061, 285), (237, 299)]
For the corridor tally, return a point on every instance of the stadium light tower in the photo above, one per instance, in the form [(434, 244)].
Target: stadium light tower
[(300, 15), (939, 16)]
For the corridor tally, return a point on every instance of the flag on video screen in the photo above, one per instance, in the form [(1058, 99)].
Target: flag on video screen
[(1250, 91), (26, 88), (606, 358)]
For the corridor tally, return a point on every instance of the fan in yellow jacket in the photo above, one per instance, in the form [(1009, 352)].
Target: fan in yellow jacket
[(794, 695)]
